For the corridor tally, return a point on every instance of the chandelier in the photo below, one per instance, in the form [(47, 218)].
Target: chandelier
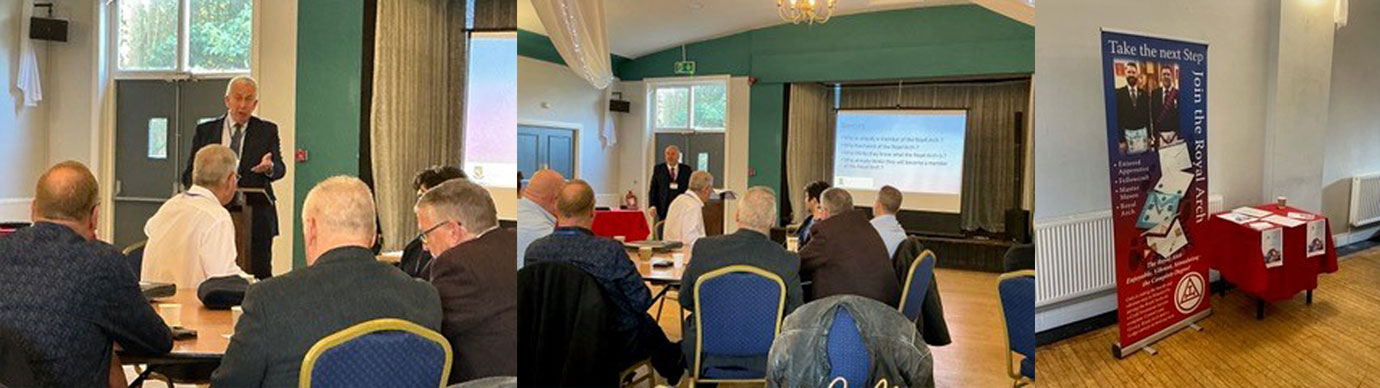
[(805, 11)]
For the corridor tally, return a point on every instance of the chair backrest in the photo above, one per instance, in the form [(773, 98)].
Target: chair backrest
[(848, 356), (657, 232), (566, 326), (738, 312), (379, 353), (1017, 293), (917, 285), (1019, 257), (135, 254)]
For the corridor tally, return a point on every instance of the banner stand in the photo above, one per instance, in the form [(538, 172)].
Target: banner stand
[(1120, 353)]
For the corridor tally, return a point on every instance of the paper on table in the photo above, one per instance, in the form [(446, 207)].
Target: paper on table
[(1283, 221), (1238, 218), (1261, 225), (1301, 216), (1250, 211)]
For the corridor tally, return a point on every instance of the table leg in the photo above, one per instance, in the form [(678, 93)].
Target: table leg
[(1259, 309), (1310, 297), (660, 302)]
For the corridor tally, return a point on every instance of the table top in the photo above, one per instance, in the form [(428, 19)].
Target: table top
[(660, 275), (211, 326)]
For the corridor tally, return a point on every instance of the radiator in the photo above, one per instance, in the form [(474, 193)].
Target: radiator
[(1365, 199), (1073, 257)]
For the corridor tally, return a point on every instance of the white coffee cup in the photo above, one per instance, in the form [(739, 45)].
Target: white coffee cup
[(171, 314), (678, 258), (235, 313)]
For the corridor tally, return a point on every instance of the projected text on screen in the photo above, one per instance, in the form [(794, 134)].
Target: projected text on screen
[(916, 151)]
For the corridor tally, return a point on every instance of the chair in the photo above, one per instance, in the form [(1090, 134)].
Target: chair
[(738, 313), (847, 354), (567, 329), (657, 233), (135, 253), (1019, 257), (1017, 293), (917, 283), (384, 352)]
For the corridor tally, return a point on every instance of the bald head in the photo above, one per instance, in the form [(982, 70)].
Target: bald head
[(338, 212), (543, 188), (575, 204), (66, 192)]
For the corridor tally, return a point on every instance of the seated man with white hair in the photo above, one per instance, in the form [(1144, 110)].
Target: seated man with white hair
[(685, 219), (343, 285), (192, 238), (750, 245)]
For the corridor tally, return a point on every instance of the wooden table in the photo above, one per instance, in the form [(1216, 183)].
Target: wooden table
[(191, 360), (663, 275)]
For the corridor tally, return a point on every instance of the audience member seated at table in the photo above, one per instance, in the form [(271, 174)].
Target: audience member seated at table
[(884, 218), (65, 296), (191, 238), (812, 192), (846, 255), (416, 261), (750, 245), (685, 217), (536, 210), (475, 275), (343, 285), (608, 262)]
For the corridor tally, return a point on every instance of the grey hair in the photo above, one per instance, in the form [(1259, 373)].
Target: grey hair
[(212, 164), (341, 205), (700, 180), (836, 200), (673, 148), (242, 79), (758, 209), (890, 199), (463, 201)]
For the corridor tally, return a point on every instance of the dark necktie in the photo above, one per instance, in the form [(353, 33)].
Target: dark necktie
[(236, 137)]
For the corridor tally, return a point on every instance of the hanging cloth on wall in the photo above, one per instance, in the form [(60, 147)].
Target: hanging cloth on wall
[(28, 81)]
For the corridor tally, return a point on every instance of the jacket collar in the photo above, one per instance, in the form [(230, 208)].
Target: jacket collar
[(344, 254)]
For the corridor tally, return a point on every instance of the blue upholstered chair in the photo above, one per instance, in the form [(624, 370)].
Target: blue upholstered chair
[(917, 285), (738, 312), (1017, 293), (379, 353), (849, 361)]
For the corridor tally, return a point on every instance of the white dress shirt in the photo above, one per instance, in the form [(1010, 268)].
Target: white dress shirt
[(533, 223), (191, 238), (892, 232), (685, 220)]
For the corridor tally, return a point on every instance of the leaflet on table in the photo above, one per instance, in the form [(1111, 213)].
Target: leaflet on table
[(1302, 216), (1250, 211), (1272, 247), (1317, 231), (1261, 225), (1283, 221), (1238, 218)]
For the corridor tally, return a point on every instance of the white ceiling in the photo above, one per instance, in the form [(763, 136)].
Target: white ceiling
[(640, 27)]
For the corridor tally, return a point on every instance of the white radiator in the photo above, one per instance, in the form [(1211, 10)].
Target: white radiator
[(1365, 199), (1073, 257)]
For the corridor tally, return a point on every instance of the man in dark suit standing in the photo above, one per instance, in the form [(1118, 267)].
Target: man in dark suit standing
[(64, 296), (1132, 111), (1164, 109), (750, 245), (343, 285), (256, 143), (474, 274), (846, 255), (669, 180)]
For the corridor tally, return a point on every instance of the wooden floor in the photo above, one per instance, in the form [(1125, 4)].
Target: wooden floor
[(975, 357), (1335, 342)]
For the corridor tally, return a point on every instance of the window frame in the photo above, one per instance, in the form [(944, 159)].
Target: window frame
[(689, 84), (182, 69)]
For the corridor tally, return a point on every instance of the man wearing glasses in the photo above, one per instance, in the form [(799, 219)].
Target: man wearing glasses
[(473, 273)]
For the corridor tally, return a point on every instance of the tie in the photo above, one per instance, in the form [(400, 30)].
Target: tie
[(236, 137), (673, 173)]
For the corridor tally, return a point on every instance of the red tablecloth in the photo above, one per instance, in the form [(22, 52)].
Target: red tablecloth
[(1234, 251), (631, 224)]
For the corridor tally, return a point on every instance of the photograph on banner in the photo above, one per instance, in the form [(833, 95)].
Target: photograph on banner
[(1157, 153)]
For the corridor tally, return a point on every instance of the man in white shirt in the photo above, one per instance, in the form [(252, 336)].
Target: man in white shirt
[(192, 238), (685, 218), (537, 208), (884, 218)]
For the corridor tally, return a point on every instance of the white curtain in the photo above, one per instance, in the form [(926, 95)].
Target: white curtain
[(576, 28), (809, 150), (28, 81)]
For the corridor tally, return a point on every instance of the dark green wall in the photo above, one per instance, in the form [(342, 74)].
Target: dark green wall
[(329, 56)]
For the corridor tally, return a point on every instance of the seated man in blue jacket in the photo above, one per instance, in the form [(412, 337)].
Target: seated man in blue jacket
[(66, 296), (605, 259)]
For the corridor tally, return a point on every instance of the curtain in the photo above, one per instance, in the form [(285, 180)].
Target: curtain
[(989, 165), (418, 103), (576, 28), (809, 143)]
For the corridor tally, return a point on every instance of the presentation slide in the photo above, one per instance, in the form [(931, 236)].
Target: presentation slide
[(919, 152), (491, 111)]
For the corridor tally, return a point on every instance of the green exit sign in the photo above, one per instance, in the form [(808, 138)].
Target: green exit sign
[(685, 67)]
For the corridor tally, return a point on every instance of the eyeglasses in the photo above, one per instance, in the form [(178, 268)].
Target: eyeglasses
[(422, 236)]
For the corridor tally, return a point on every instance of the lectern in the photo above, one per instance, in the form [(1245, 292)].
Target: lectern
[(714, 212), (241, 213)]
